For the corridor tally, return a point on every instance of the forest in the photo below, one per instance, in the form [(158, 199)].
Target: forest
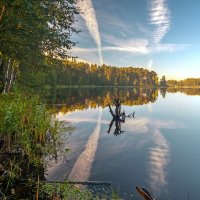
[(64, 73), (192, 82), (80, 73)]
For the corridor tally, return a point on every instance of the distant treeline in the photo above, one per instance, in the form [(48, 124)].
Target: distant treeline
[(73, 73), (192, 82), (79, 73)]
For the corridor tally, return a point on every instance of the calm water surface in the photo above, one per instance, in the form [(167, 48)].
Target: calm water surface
[(159, 149)]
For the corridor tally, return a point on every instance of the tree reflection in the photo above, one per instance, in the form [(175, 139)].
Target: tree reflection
[(163, 91), (188, 91), (117, 130), (119, 117), (70, 99)]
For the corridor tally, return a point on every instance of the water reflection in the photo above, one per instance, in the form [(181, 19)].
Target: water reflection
[(71, 99), (152, 153), (163, 92), (83, 165), (117, 130), (187, 91), (118, 117), (158, 158)]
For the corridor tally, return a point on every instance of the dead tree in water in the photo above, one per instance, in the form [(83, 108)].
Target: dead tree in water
[(117, 130), (118, 117)]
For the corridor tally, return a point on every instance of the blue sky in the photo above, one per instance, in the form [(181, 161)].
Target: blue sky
[(161, 35)]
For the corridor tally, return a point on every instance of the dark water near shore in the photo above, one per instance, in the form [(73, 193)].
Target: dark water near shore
[(159, 148)]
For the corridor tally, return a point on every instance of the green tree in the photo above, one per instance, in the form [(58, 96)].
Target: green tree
[(163, 81), (79, 73), (32, 31)]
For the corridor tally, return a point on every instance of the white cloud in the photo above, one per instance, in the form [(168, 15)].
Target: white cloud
[(89, 15), (126, 41), (136, 47), (168, 47), (131, 49), (160, 17), (84, 50), (143, 125)]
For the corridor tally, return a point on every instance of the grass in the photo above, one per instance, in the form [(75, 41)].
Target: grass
[(30, 132), (68, 192)]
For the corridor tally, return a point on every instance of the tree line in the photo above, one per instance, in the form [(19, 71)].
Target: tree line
[(193, 82), (80, 73)]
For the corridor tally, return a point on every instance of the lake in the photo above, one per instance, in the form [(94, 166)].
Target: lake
[(158, 148)]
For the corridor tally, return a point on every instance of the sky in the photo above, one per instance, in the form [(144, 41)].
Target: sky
[(160, 35)]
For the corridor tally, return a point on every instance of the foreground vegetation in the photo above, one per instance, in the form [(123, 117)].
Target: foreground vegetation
[(30, 135)]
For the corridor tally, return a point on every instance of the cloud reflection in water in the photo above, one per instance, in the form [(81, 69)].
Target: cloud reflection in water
[(158, 159), (83, 165)]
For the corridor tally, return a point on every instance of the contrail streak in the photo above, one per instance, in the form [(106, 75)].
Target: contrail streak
[(89, 15), (83, 165), (150, 64)]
